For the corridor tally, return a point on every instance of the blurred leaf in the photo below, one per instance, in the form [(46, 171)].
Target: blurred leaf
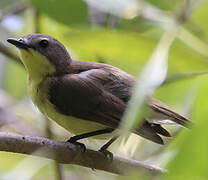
[(69, 12), (26, 169), (5, 3), (173, 94), (199, 20), (10, 161), (191, 148), (136, 24), (166, 5), (193, 42), (15, 80), (178, 77), (77, 12), (121, 8)]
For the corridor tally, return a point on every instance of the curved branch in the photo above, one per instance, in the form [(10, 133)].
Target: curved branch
[(67, 153)]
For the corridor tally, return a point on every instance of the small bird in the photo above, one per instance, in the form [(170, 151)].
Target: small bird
[(86, 98)]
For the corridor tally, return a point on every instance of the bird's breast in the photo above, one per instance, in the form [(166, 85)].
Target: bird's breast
[(39, 92)]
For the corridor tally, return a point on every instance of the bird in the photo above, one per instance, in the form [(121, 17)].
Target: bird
[(86, 98)]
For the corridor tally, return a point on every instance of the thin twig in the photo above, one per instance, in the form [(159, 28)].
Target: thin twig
[(67, 153)]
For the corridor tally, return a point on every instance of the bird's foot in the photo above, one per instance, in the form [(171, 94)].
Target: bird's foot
[(81, 145), (107, 154)]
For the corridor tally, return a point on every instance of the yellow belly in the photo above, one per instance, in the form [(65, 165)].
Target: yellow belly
[(74, 125)]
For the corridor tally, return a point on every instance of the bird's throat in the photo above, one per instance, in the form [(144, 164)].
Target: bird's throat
[(37, 65)]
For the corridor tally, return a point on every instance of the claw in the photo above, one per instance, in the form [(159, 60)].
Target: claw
[(93, 169), (107, 154), (81, 145)]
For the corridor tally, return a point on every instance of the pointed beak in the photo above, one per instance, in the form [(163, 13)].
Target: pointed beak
[(19, 43)]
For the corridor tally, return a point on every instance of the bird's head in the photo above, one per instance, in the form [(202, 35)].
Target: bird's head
[(42, 55)]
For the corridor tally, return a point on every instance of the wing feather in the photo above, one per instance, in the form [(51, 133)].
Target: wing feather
[(100, 93)]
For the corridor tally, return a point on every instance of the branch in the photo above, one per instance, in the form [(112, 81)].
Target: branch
[(67, 153)]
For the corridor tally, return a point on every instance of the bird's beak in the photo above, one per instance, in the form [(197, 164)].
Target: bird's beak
[(19, 43)]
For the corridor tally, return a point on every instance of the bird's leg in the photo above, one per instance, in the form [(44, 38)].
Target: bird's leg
[(104, 150), (74, 139)]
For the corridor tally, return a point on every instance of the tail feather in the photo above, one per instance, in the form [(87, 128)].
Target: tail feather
[(177, 118), (161, 109), (160, 130), (150, 132), (152, 129)]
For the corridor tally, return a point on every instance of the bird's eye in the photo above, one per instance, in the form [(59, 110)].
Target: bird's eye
[(43, 43)]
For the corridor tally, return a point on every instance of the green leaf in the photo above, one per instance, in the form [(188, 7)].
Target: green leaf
[(198, 21), (182, 76), (166, 5), (6, 3), (191, 149), (69, 12), (15, 80)]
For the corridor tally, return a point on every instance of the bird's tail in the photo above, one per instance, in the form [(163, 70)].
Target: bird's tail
[(152, 131)]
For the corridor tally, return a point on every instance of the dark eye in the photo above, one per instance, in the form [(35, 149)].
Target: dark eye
[(43, 43)]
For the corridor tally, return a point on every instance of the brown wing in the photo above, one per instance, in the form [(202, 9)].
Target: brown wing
[(113, 80), (119, 83), (99, 94), (86, 98), (81, 97)]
